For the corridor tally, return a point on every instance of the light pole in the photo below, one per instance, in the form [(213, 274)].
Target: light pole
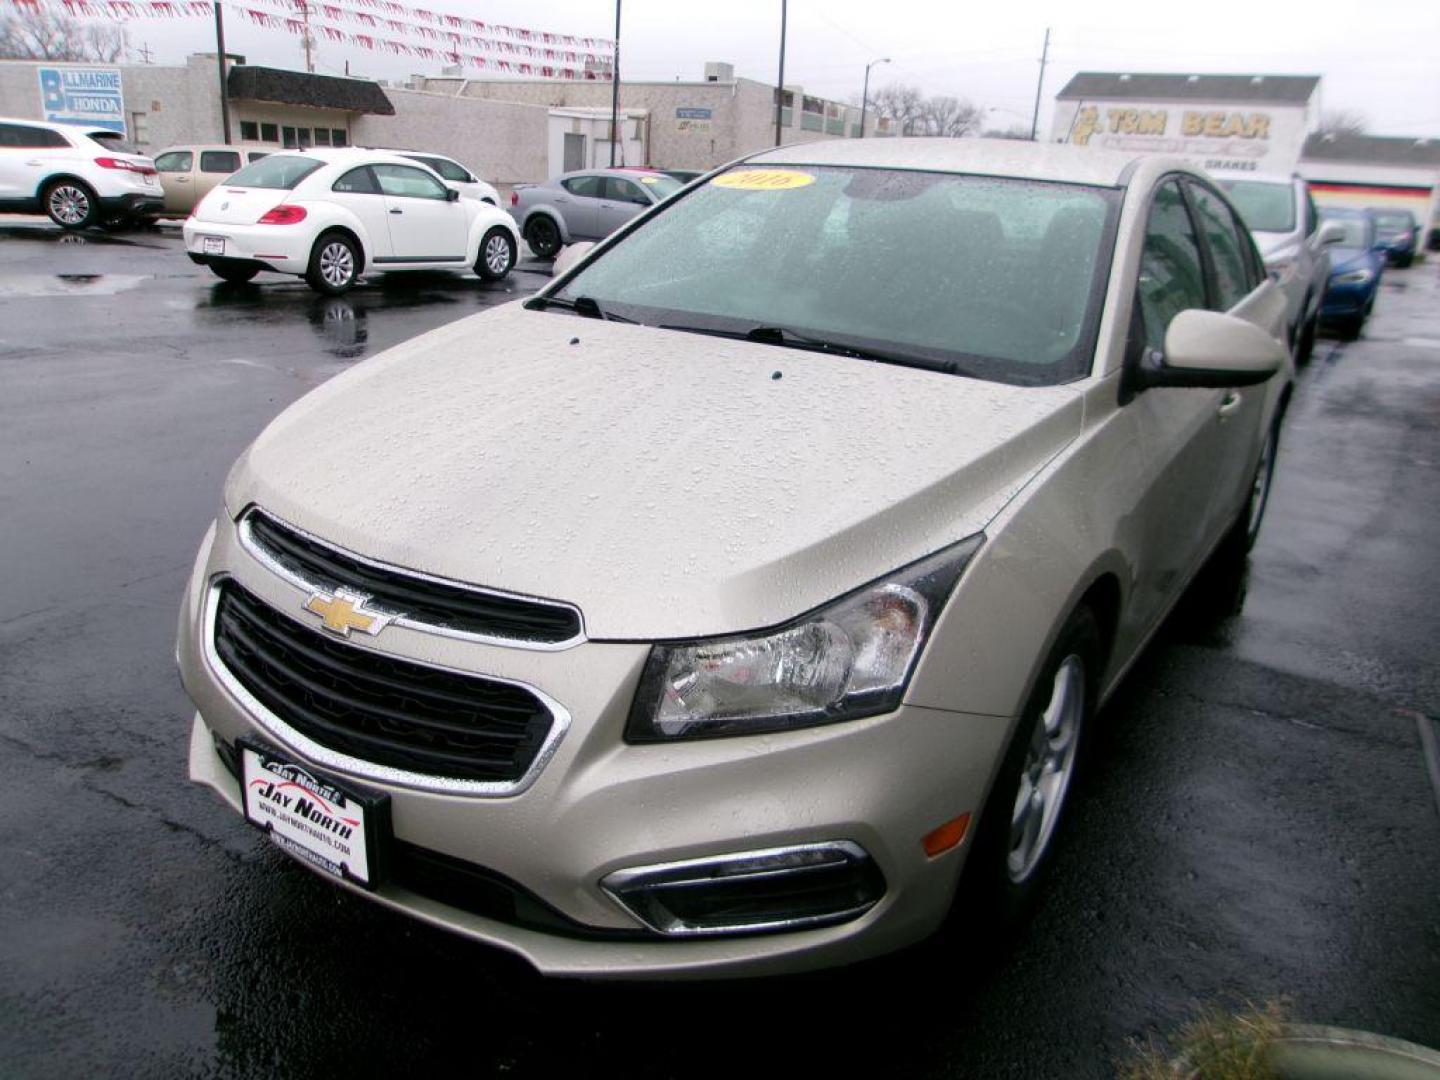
[(615, 91), (780, 90), (865, 93)]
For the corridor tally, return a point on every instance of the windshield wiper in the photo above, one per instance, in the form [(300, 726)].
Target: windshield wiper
[(794, 339), (585, 306)]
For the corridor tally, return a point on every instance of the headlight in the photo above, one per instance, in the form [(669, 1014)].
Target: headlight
[(848, 659), (1354, 277)]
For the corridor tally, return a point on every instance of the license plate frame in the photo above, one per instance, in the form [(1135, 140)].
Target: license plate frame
[(213, 245), (339, 828)]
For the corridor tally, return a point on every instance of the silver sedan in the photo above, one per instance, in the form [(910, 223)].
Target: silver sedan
[(585, 205)]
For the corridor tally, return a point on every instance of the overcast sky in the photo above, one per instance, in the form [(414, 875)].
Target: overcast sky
[(1382, 60)]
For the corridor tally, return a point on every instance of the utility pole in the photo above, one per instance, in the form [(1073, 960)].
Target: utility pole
[(865, 93), (220, 66), (1035, 117), (780, 90), (306, 38), (615, 89)]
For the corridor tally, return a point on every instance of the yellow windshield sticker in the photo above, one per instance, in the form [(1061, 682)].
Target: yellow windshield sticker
[(764, 179), (649, 179)]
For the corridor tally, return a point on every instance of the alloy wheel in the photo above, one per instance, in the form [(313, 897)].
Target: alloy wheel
[(337, 264), (497, 254), (1049, 765), (69, 205)]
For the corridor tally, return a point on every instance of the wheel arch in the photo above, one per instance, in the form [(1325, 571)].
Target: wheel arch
[(74, 178), (555, 218), (350, 234)]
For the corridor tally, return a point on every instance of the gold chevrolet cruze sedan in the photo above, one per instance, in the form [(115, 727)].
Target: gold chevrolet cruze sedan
[(739, 603)]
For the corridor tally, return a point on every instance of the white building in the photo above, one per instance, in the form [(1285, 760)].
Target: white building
[(1224, 123)]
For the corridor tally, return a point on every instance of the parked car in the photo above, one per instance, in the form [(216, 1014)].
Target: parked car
[(331, 215), (710, 612), (187, 173), (1286, 226), (584, 205), (454, 174), (77, 175), (1400, 234), (1357, 263)]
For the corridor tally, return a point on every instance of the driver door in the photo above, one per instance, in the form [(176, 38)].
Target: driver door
[(425, 225)]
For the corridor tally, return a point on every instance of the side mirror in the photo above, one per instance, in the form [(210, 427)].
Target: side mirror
[(1331, 232), (451, 195), (569, 256), (1211, 349)]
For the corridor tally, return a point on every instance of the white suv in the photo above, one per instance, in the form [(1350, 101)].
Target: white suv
[(1282, 217), (77, 175)]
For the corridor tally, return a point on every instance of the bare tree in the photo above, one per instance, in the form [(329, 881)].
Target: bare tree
[(1343, 122), (902, 103), (949, 117), (1014, 131), (38, 32)]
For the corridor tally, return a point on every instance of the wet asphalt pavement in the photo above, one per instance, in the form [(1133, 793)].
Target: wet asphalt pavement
[(1256, 821)]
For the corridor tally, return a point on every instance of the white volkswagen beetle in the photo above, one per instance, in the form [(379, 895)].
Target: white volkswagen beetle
[(744, 598), (331, 215)]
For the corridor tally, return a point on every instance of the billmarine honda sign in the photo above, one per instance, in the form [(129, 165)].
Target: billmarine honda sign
[(1224, 123)]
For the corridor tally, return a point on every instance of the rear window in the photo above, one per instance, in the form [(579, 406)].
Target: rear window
[(1394, 220), (113, 141), (280, 172), (1265, 207), (219, 161)]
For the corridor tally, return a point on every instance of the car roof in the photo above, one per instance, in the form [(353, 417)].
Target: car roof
[(986, 157), (348, 155), (624, 174), (1259, 178), (218, 146)]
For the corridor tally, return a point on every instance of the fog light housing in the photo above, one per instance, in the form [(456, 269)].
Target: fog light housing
[(751, 892)]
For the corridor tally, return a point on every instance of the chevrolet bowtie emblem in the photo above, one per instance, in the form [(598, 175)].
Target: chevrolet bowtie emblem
[(343, 612)]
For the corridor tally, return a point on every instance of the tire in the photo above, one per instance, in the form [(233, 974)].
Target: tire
[(1349, 327), (1246, 529), (1305, 346), (70, 204), (334, 264), (1016, 840), (543, 236), (236, 275), (497, 254), (1405, 261)]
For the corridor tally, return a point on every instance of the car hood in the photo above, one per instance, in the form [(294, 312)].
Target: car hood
[(669, 484), (1345, 259)]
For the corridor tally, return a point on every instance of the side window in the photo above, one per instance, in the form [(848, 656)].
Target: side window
[(255, 155), (175, 161), (587, 187), (1227, 241), (357, 182), (219, 161), (18, 135), (1172, 279), (622, 190), (404, 182)]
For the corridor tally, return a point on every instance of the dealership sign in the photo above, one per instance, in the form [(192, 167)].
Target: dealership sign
[(1214, 137), (83, 95)]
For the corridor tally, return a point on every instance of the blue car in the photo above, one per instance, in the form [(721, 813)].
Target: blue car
[(1398, 232), (1357, 259)]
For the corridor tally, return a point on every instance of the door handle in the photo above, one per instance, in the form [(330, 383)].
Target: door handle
[(36, 163), (1230, 404), (397, 211)]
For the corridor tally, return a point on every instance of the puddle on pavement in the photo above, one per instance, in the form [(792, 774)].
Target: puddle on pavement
[(14, 286)]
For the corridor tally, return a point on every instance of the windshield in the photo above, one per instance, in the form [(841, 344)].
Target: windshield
[(1394, 221), (660, 185), (999, 277), (1265, 207), (279, 171), (1356, 231), (113, 141)]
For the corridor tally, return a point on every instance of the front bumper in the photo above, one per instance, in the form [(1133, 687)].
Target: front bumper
[(601, 806)]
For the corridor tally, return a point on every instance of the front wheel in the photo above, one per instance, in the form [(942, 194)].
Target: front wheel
[(497, 254), (334, 265), (1246, 530), (1021, 819), (70, 204), (543, 236)]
